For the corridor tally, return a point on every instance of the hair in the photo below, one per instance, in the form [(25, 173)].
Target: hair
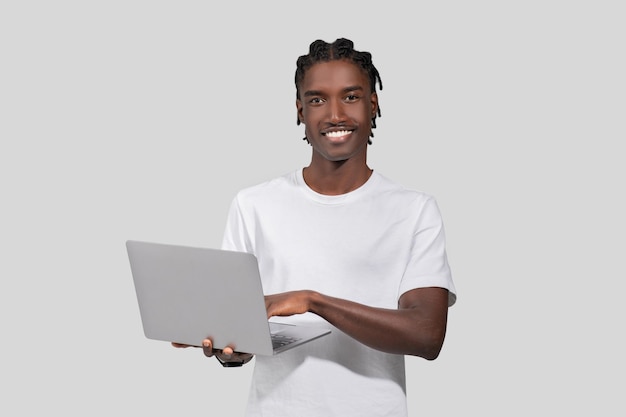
[(341, 49)]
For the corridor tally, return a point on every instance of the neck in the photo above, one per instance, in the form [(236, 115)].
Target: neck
[(336, 178)]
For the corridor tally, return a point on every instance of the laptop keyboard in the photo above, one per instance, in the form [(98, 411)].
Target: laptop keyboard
[(280, 340)]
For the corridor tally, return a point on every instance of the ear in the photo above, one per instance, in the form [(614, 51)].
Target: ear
[(299, 110), (374, 103)]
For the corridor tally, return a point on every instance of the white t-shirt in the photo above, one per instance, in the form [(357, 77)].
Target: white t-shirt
[(370, 246)]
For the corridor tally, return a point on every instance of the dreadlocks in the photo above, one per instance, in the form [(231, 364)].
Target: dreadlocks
[(320, 51)]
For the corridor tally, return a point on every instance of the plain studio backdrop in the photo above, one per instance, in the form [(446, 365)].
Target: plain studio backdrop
[(142, 119)]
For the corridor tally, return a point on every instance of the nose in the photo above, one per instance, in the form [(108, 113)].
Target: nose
[(336, 110)]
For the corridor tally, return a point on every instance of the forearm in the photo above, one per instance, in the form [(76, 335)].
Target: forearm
[(416, 328)]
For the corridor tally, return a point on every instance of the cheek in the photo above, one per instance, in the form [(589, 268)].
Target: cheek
[(361, 113), (310, 115)]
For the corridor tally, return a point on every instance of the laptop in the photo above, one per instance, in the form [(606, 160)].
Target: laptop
[(186, 294)]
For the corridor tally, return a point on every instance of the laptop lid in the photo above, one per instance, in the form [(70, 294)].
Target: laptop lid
[(186, 294)]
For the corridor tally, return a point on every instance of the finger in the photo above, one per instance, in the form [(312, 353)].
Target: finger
[(179, 345), (207, 347), (227, 352)]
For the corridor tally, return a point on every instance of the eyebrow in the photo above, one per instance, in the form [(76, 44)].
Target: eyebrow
[(309, 93)]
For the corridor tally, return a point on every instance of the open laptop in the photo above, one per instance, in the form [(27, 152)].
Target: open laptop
[(186, 294)]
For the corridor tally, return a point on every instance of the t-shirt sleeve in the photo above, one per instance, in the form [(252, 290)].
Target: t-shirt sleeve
[(428, 262), (235, 236)]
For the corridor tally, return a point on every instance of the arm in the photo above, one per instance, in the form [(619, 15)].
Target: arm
[(416, 328)]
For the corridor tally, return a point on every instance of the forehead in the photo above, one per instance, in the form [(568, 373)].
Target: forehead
[(332, 75)]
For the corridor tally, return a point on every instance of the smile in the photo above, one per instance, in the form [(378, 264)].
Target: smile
[(337, 134)]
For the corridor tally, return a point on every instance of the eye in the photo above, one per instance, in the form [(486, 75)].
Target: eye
[(352, 97), (316, 100)]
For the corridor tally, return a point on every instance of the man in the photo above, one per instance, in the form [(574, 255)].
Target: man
[(341, 245)]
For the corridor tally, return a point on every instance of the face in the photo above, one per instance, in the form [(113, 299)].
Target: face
[(336, 106)]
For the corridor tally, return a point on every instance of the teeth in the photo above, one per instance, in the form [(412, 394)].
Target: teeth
[(338, 133)]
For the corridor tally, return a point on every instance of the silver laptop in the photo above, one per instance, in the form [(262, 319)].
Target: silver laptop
[(186, 294)]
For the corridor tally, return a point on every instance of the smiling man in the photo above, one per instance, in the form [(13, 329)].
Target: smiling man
[(340, 245)]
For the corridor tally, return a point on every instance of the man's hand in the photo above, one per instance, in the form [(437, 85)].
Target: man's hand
[(287, 303), (227, 356)]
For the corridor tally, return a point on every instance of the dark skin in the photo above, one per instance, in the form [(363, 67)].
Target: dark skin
[(336, 107)]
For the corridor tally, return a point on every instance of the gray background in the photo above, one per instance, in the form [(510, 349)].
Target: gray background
[(141, 119)]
